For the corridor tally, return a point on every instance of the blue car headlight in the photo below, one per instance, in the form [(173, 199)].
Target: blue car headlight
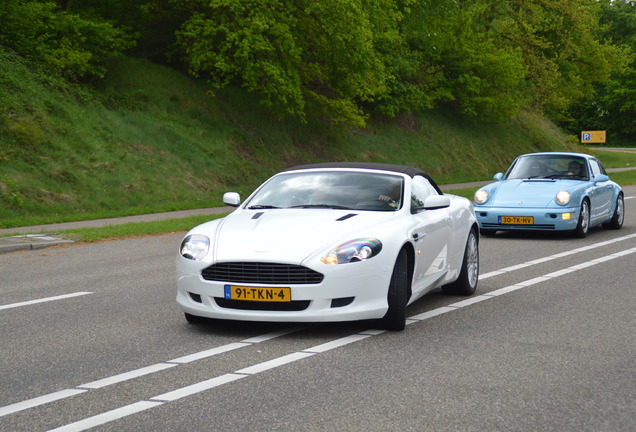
[(353, 251), (563, 197), (195, 247), (481, 196)]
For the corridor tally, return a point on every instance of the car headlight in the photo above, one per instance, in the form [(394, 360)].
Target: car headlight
[(353, 251), (481, 196), (563, 197), (195, 247)]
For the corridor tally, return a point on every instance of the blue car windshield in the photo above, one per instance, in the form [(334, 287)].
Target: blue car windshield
[(331, 190), (548, 167)]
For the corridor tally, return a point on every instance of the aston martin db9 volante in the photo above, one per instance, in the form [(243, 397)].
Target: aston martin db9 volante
[(330, 242), (550, 192)]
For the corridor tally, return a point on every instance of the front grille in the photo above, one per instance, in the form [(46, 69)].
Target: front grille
[(511, 226), (292, 306), (261, 273)]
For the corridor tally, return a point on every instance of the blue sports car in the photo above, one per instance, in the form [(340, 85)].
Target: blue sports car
[(550, 192)]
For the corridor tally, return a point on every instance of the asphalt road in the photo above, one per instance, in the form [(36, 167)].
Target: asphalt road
[(92, 339)]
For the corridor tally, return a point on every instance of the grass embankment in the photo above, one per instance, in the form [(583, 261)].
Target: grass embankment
[(150, 140)]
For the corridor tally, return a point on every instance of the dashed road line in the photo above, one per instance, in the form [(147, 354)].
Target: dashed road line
[(43, 300), (115, 379), (208, 384), (553, 257)]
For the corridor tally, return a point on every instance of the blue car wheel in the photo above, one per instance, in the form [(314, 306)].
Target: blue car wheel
[(584, 220), (619, 214)]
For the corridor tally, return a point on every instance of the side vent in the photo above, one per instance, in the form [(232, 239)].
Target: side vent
[(347, 216)]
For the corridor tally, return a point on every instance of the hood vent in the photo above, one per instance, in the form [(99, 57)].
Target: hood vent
[(347, 216), (257, 215)]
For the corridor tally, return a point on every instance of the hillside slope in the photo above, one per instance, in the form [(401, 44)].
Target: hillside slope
[(150, 139)]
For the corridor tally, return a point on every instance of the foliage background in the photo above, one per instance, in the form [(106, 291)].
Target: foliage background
[(111, 107)]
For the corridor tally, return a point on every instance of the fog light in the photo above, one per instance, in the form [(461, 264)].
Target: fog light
[(566, 216)]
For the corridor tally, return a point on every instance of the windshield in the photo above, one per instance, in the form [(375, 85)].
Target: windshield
[(331, 189), (548, 167)]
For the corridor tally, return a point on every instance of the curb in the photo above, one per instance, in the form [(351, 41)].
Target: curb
[(31, 242)]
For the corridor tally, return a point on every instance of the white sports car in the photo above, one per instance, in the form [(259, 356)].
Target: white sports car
[(330, 242)]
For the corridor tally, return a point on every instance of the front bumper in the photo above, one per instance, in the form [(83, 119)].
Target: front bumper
[(546, 219), (349, 292)]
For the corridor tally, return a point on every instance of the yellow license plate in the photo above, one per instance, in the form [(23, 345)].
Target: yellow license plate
[(234, 292), (516, 220)]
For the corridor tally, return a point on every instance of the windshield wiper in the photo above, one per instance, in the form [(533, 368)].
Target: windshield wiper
[(262, 207), (330, 206)]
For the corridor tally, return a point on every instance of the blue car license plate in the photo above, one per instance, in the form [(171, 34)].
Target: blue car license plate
[(516, 220)]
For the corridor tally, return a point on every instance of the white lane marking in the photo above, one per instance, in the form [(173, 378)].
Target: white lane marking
[(106, 417), (431, 313), (373, 332), (41, 400), (274, 363), (127, 376), (559, 273), (197, 388), (289, 358), (553, 257), (209, 353), (337, 343), (44, 300), (469, 301)]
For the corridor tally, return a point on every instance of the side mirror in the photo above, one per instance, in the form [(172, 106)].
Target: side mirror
[(601, 178), (436, 202), (232, 199), (498, 176)]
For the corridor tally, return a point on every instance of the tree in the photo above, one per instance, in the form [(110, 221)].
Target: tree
[(297, 56), (152, 22), (458, 44), (76, 46), (613, 105), (563, 56)]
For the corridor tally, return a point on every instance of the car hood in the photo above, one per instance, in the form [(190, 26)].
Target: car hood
[(530, 193), (288, 235)]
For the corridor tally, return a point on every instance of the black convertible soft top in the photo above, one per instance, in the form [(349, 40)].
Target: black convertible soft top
[(403, 169)]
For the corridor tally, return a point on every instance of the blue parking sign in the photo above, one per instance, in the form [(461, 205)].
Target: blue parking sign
[(587, 136)]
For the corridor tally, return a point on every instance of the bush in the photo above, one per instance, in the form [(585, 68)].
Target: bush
[(77, 46)]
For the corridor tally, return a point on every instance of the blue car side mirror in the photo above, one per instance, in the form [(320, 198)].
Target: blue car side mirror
[(498, 176), (601, 178)]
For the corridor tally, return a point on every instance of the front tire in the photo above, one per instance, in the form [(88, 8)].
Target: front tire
[(466, 284), (584, 220), (619, 214), (395, 318)]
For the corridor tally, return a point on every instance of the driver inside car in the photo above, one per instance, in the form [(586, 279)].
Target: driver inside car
[(574, 169)]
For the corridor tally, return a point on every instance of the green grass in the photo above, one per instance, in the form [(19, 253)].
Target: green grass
[(464, 192), (613, 159), (148, 139), (624, 178), (130, 230)]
